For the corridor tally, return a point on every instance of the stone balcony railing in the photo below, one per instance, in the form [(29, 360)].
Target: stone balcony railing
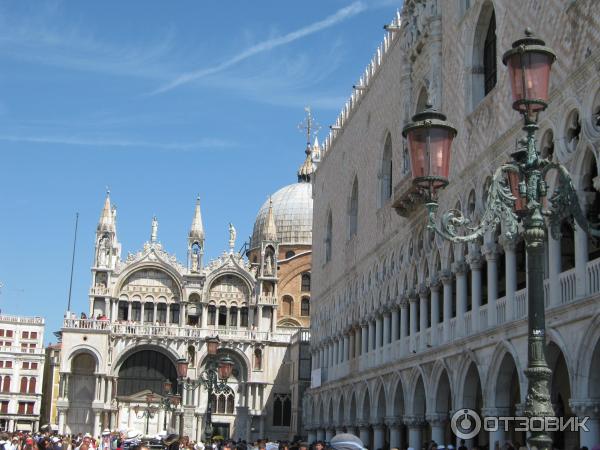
[(175, 332), (22, 319), (507, 311), (267, 300)]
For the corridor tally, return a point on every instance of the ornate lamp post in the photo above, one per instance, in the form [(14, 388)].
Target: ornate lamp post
[(169, 403), (148, 412), (516, 197), (213, 378)]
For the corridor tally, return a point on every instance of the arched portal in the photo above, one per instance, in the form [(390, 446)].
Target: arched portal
[(82, 391), (443, 406), (507, 396), (473, 399), (145, 370), (560, 394)]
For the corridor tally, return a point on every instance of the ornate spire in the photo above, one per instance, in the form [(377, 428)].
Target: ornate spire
[(310, 126), (270, 230), (106, 222), (197, 229)]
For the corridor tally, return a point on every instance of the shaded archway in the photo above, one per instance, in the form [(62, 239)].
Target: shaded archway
[(443, 406), (507, 396), (420, 434), (145, 370), (560, 394), (82, 391), (472, 398)]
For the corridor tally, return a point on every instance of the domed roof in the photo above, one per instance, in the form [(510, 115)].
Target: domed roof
[(292, 210)]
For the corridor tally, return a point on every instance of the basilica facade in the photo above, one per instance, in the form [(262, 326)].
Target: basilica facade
[(148, 310), (409, 328)]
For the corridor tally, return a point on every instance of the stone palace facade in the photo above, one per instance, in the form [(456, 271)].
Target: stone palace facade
[(148, 310), (409, 328)]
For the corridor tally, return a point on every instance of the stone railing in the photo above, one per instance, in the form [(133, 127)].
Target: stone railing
[(175, 332), (18, 349), (22, 319)]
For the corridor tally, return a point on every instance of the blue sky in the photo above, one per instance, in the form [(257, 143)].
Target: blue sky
[(160, 101)]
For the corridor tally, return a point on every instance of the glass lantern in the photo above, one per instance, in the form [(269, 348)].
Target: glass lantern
[(225, 367)]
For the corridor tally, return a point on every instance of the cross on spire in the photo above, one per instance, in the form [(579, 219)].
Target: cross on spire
[(309, 126)]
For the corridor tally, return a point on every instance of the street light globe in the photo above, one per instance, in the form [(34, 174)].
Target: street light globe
[(225, 367), (529, 62), (430, 138), (182, 368)]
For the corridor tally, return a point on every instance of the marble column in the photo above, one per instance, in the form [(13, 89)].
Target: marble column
[(347, 347), (460, 269), (581, 250), (379, 331), (387, 318), (395, 326), (413, 313), (393, 424), (434, 287), (378, 436), (404, 318), (415, 430), (96, 424), (490, 251), (438, 426), (364, 340), (511, 276), (554, 269), (61, 421), (423, 311), (446, 277), (476, 265), (351, 344), (590, 409), (364, 435), (371, 345)]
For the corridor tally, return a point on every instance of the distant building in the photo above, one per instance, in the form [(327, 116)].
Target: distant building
[(50, 389), (21, 370), (148, 310)]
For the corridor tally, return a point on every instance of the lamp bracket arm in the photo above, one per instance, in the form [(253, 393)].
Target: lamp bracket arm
[(499, 210), (565, 203)]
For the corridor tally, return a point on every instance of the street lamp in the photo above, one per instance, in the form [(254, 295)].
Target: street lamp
[(213, 378), (516, 197), (148, 412)]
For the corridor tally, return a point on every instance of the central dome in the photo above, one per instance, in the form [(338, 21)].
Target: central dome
[(292, 211)]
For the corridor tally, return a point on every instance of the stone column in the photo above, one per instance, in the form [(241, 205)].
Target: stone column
[(378, 436), (61, 421), (364, 339), (460, 269), (142, 308), (446, 277), (378, 331), (511, 275), (393, 424), (363, 432), (395, 323), (413, 313), (129, 308), (499, 435), (424, 311), (96, 423), (320, 434), (438, 426), (590, 409), (347, 346), (351, 344), (204, 316), (476, 264), (371, 345), (387, 318), (490, 251), (329, 434), (554, 269), (351, 430), (434, 287), (312, 436), (581, 251), (415, 428)]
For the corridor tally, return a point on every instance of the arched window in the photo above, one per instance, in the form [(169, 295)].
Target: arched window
[(305, 307), (305, 285), (282, 410), (6, 384), (353, 210), (233, 313), (230, 404), (222, 316), (258, 359), (290, 254), (288, 305), (483, 70), (489, 56), (31, 389), (23, 389), (244, 317), (328, 237), (212, 314), (386, 171)]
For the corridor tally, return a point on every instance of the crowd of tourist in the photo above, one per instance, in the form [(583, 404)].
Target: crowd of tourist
[(132, 440)]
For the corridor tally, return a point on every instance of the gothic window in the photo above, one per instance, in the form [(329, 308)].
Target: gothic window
[(386, 171), (244, 317), (230, 405), (305, 285), (471, 204), (258, 359), (288, 305), (136, 311), (222, 316), (353, 210), (305, 307), (328, 237), (149, 312), (123, 311), (212, 314), (161, 312), (223, 403), (233, 312), (489, 56), (174, 314), (282, 410)]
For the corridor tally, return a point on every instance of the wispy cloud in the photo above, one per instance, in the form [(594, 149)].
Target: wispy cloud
[(202, 144), (339, 16)]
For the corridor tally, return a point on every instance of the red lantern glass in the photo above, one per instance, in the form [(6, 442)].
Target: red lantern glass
[(225, 367), (212, 345), (430, 139), (182, 368), (529, 62), (167, 386), (513, 182), (176, 400)]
